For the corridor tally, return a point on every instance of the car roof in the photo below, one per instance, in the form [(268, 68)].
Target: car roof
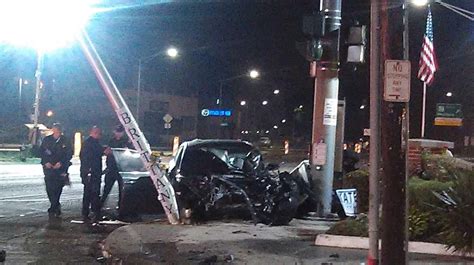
[(197, 143)]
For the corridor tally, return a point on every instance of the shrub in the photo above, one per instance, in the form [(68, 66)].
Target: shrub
[(458, 211), (359, 180), (420, 193), (351, 227), (424, 223), (438, 167)]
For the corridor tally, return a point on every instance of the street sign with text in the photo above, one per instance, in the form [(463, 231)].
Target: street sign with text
[(216, 112), (397, 81)]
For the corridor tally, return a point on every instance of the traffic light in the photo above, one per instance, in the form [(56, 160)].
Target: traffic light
[(356, 44)]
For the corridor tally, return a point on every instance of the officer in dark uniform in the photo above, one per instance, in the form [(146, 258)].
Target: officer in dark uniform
[(119, 140), (91, 172), (56, 154)]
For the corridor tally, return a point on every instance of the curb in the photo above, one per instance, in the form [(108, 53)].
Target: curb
[(363, 243)]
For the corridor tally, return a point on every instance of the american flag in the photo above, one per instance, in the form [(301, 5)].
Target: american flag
[(428, 63)]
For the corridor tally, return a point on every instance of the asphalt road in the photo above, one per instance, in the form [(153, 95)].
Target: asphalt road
[(23, 192), (26, 233)]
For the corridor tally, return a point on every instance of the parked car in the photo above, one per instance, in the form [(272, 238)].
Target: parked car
[(219, 178)]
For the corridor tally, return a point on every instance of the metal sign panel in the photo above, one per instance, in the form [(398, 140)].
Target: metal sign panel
[(320, 154), (447, 110), (348, 199), (448, 114), (330, 111), (453, 122), (397, 81), (216, 112), (167, 118)]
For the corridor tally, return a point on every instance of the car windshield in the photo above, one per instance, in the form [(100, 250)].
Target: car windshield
[(233, 156), (128, 160), (218, 158)]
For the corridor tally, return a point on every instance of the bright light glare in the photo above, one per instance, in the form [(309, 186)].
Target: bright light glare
[(276, 91), (449, 94), (283, 121), (254, 74), (44, 25), (420, 2), (172, 52), (265, 102), (243, 103)]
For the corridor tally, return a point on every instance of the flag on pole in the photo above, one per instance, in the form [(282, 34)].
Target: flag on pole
[(428, 62)]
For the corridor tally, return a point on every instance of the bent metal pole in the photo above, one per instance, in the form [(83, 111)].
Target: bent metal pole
[(165, 191)]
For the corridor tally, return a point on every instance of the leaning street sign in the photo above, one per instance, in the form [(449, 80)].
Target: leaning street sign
[(397, 81)]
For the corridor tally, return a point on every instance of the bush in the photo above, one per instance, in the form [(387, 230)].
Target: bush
[(438, 167), (420, 193), (359, 180), (423, 221), (351, 227), (458, 212)]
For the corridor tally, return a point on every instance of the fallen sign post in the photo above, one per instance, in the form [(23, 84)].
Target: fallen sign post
[(165, 190)]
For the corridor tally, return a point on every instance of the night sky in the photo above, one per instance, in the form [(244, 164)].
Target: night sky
[(223, 39)]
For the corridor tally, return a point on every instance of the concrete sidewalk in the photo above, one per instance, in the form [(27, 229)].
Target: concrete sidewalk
[(235, 243)]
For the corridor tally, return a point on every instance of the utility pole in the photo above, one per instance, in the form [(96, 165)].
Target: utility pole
[(394, 148), (39, 71), (326, 90), (374, 154), (139, 90)]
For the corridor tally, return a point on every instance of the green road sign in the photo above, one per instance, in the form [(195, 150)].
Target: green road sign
[(447, 110)]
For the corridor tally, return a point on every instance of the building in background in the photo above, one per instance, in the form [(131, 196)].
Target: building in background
[(154, 106)]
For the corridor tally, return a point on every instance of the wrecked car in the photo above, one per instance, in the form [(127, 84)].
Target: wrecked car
[(217, 178)]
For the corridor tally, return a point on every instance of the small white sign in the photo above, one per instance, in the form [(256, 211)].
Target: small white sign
[(366, 132), (330, 111), (167, 118), (319, 154), (348, 199), (167, 125), (397, 81)]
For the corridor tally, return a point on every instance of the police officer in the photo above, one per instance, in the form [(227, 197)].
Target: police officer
[(119, 140), (91, 172), (56, 154)]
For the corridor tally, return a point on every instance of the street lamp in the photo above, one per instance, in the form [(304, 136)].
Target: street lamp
[(243, 103), (254, 74), (49, 113), (44, 26), (283, 121), (420, 2), (265, 102), (449, 94), (172, 52), (276, 91)]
